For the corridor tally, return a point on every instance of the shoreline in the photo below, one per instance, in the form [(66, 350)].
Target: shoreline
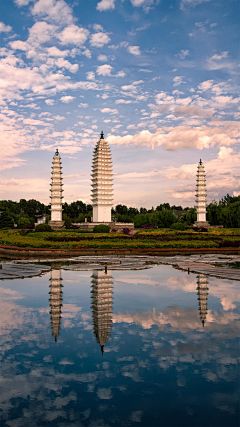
[(15, 252)]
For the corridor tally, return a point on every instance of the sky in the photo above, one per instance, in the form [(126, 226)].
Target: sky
[(159, 77)]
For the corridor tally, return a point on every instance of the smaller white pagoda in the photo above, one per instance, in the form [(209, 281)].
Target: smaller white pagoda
[(56, 193), (201, 197), (202, 291)]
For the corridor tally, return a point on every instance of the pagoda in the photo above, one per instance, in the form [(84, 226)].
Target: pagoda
[(56, 221), (201, 197), (102, 186), (55, 302), (102, 306), (202, 291)]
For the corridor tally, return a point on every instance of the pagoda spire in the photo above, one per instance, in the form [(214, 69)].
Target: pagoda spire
[(102, 187), (102, 301), (56, 197), (202, 292), (201, 197), (55, 302)]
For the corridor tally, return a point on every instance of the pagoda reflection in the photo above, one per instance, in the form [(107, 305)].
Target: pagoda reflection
[(202, 291), (55, 302), (102, 301)]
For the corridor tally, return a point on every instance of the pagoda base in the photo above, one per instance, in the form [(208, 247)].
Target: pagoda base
[(204, 224), (56, 225)]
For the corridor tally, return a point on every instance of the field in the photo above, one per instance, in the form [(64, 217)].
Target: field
[(162, 238)]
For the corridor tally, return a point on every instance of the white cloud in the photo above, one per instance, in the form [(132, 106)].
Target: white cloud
[(146, 4), (54, 10), (83, 106), (224, 152), (62, 63), (50, 101), (59, 118), (22, 2), (105, 5), (191, 3), (99, 39), (134, 50), (123, 101), (109, 111), (4, 28), (73, 35), (175, 138), (121, 74), (66, 99), (104, 70), (54, 51), (221, 56), (18, 44), (183, 54), (205, 85), (90, 75), (102, 58), (178, 80), (104, 393), (41, 32)]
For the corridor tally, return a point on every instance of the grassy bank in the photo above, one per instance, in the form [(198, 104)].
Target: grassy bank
[(163, 238)]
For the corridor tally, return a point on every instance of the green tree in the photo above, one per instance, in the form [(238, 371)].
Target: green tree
[(6, 221)]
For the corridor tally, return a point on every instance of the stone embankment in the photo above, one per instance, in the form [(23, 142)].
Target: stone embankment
[(14, 252)]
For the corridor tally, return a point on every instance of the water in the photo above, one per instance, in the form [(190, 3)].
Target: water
[(155, 347)]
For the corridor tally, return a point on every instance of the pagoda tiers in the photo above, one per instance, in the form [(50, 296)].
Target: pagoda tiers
[(201, 197), (202, 291), (102, 186), (56, 193), (55, 302), (102, 306)]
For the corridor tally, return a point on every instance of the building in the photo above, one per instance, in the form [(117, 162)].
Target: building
[(201, 197), (202, 291), (56, 221), (102, 182), (102, 301), (41, 219), (55, 302)]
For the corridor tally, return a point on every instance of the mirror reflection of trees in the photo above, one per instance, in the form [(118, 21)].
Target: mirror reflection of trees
[(56, 302), (102, 301), (202, 291)]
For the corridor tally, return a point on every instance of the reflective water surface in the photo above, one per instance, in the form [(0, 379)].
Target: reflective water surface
[(154, 347)]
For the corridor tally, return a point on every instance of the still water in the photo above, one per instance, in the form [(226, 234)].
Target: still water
[(155, 347)]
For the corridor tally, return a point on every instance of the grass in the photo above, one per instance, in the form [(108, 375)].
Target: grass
[(161, 238)]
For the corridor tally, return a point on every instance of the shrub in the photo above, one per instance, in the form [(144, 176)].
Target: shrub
[(101, 228), (113, 230), (25, 222), (178, 226), (126, 231), (148, 227), (6, 221), (43, 227)]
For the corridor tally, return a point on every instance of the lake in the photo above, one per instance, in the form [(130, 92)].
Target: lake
[(155, 347)]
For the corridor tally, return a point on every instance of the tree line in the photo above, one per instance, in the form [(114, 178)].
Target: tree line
[(225, 212)]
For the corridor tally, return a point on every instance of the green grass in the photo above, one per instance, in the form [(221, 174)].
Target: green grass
[(162, 238)]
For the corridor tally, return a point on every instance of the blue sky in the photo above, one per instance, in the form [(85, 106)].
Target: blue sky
[(160, 78)]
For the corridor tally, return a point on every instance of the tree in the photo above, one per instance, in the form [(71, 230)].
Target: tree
[(6, 221)]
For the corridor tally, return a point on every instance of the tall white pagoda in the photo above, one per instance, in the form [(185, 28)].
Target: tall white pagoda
[(56, 193), (102, 186), (202, 290), (201, 197), (102, 306), (55, 302)]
